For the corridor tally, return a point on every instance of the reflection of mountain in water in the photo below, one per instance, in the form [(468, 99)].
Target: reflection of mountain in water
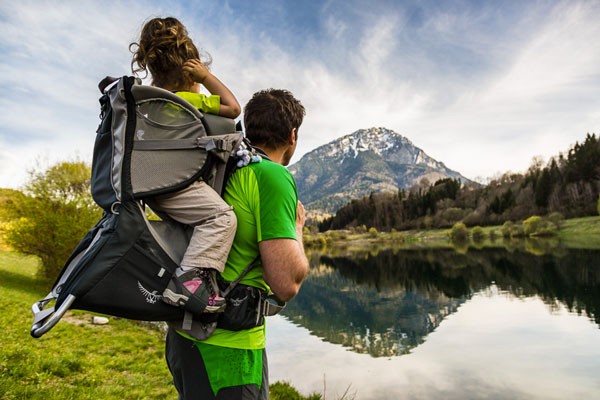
[(387, 304)]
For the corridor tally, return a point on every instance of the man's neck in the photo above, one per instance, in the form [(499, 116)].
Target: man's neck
[(275, 155)]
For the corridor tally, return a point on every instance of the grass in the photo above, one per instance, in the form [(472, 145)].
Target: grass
[(78, 360), (581, 232), (75, 360)]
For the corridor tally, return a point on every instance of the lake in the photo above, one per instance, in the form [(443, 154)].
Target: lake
[(515, 323)]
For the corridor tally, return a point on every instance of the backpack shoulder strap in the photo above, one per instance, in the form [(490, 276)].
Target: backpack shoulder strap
[(235, 282)]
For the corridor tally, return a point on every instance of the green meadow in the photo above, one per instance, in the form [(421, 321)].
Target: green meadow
[(76, 359)]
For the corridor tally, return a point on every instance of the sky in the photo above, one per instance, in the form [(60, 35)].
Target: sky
[(483, 86)]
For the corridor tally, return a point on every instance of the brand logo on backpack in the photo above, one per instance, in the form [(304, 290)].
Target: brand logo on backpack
[(151, 297), (237, 302)]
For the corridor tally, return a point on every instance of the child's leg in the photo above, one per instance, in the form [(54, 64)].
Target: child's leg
[(213, 220), (193, 285), (211, 240), (195, 290)]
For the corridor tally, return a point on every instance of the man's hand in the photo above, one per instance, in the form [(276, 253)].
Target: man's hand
[(300, 220), (284, 261)]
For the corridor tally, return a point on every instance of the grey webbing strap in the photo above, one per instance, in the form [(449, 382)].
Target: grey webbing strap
[(188, 318), (166, 144), (234, 283), (219, 180), (206, 142), (271, 306)]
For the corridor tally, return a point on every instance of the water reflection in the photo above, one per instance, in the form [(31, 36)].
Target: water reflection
[(386, 303)]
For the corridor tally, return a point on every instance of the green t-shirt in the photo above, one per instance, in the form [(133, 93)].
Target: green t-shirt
[(264, 199), (208, 104)]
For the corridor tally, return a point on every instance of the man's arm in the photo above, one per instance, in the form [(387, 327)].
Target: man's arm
[(284, 262)]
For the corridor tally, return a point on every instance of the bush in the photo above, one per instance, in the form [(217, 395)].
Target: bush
[(314, 241), (333, 235), (517, 231), (556, 218), (531, 225), (285, 391), (54, 213), (453, 214), (459, 232), (537, 226), (477, 234), (493, 235), (507, 229), (373, 232)]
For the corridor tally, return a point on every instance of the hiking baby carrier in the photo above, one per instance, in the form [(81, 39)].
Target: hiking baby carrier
[(149, 142)]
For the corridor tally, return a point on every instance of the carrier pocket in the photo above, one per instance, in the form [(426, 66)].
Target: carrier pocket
[(243, 310), (133, 288)]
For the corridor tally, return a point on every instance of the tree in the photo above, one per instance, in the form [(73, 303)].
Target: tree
[(503, 202), (543, 188), (52, 215), (582, 160)]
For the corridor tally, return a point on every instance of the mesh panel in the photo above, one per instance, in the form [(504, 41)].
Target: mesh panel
[(162, 119), (155, 170), (164, 112)]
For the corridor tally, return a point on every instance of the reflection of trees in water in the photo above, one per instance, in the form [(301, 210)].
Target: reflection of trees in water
[(386, 304)]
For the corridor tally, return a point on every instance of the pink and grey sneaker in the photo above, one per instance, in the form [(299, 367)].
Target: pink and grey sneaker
[(194, 290)]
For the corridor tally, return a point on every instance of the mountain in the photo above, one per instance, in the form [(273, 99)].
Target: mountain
[(368, 160)]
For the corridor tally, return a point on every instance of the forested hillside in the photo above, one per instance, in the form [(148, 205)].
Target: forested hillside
[(567, 186)]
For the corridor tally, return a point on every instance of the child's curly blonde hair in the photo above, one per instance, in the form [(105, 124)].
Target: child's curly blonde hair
[(164, 46)]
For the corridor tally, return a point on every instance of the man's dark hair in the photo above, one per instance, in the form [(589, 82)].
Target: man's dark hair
[(270, 116)]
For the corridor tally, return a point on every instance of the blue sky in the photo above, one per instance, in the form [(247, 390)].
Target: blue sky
[(483, 86)]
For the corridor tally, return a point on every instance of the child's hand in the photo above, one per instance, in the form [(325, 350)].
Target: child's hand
[(197, 71)]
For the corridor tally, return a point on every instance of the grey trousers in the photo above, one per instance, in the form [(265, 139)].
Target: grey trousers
[(213, 220)]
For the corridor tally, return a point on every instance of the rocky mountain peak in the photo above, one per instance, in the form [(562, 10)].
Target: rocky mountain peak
[(365, 161)]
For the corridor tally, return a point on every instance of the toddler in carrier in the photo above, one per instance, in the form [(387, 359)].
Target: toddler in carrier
[(168, 53)]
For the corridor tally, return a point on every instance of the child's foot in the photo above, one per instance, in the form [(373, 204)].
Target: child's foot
[(194, 291)]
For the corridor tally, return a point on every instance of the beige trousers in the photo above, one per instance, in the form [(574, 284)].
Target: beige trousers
[(213, 220)]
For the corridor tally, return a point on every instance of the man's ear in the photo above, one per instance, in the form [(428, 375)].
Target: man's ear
[(293, 136)]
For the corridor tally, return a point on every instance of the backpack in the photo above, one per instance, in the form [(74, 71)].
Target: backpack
[(149, 142)]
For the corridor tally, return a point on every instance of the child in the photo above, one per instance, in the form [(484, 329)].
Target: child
[(166, 50)]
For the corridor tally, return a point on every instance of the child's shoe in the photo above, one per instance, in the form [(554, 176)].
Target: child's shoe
[(195, 291)]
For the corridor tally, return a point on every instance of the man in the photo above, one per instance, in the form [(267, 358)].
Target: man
[(232, 364)]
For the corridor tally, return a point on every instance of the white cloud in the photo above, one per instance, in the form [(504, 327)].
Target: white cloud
[(541, 105), (481, 89)]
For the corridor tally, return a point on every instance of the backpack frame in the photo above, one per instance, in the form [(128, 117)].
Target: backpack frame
[(149, 142)]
